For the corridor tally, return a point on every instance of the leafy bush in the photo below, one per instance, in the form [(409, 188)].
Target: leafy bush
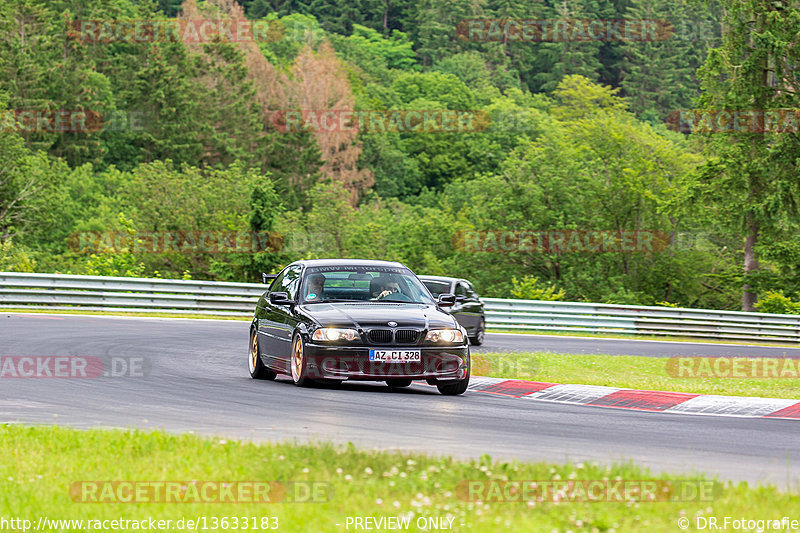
[(530, 288), (14, 258), (624, 296), (776, 302), (666, 304), (122, 264)]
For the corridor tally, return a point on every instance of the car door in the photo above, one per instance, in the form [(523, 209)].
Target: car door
[(276, 318), (460, 309), (474, 306), (284, 317), (266, 323)]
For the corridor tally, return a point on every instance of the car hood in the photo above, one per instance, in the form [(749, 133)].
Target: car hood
[(375, 314)]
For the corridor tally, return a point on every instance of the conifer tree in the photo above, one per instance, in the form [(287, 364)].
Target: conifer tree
[(751, 182)]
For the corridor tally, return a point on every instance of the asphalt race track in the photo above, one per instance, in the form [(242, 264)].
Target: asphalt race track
[(196, 380), (504, 342)]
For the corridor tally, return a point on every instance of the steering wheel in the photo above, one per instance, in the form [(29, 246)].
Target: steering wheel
[(395, 297)]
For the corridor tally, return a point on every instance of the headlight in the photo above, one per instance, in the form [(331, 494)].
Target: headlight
[(335, 334), (445, 335)]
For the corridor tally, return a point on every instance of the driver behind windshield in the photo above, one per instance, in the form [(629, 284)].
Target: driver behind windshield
[(315, 287), (382, 287)]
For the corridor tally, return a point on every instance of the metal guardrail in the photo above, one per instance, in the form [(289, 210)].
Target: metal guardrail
[(530, 315), (98, 293), (101, 293)]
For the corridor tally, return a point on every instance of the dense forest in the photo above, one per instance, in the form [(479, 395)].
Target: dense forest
[(118, 134)]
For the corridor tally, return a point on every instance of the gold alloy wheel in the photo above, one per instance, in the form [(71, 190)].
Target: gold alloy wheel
[(253, 352), (297, 359)]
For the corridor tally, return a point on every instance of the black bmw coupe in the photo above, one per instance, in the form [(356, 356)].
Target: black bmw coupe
[(332, 320)]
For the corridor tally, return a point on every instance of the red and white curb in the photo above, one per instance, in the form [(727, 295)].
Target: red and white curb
[(640, 400)]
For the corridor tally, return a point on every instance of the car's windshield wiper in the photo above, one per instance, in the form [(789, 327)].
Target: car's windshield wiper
[(329, 300), (333, 300), (401, 302)]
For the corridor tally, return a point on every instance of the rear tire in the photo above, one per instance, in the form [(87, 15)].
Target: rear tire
[(398, 383), (298, 362), (477, 339), (258, 370)]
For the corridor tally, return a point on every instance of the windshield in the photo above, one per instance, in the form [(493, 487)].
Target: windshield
[(363, 284), (437, 287)]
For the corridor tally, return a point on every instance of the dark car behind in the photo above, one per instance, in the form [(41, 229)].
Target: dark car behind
[(468, 308)]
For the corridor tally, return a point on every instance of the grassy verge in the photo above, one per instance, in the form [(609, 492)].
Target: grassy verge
[(38, 465), (667, 338), (625, 371), (145, 314)]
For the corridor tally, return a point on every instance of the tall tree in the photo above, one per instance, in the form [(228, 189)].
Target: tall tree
[(23, 175), (321, 84), (435, 23), (659, 76), (570, 56), (292, 159), (751, 178)]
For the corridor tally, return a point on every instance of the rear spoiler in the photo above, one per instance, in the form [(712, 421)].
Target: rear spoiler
[(266, 278)]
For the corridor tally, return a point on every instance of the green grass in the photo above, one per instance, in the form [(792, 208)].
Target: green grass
[(624, 371), (147, 314), (38, 465), (660, 338)]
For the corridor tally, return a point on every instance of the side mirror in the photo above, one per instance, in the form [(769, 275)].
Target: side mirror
[(460, 298), (279, 298), (267, 278), (446, 300)]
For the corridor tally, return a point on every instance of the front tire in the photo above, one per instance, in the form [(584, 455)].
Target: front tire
[(258, 370), (457, 387), (298, 362), (453, 389)]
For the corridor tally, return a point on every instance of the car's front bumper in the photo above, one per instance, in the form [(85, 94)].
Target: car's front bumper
[(352, 363)]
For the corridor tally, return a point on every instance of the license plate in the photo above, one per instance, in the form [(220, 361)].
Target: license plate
[(395, 356)]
